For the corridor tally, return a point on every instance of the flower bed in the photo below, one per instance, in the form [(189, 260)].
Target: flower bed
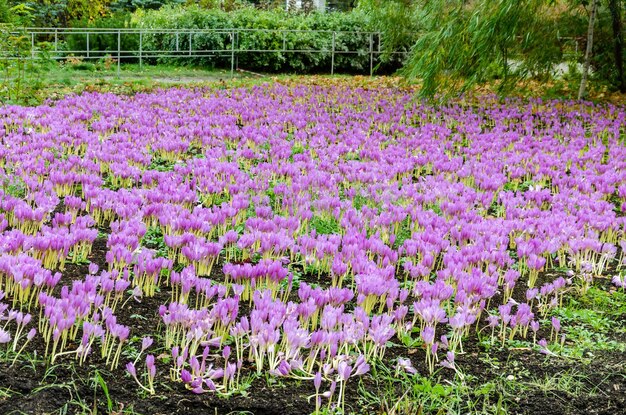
[(213, 239)]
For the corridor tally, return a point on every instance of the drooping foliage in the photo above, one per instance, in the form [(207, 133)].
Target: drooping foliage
[(462, 44), (457, 44)]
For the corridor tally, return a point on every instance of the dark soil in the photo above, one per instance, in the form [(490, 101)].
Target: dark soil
[(34, 387)]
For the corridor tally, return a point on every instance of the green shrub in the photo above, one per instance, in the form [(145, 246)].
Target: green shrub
[(105, 44), (20, 76), (5, 15), (299, 50)]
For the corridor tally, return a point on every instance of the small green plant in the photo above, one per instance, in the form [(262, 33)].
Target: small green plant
[(591, 322), (160, 164), (325, 226), (297, 148), (98, 380), (22, 64), (359, 201), (397, 393), (153, 239), (14, 186), (565, 382), (435, 208), (403, 233)]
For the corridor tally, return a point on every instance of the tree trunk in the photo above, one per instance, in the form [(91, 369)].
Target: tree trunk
[(592, 20), (618, 42)]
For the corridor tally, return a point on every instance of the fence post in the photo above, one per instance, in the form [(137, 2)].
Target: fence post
[(371, 54), (232, 54), (140, 50), (375, 40), (332, 57), (119, 47)]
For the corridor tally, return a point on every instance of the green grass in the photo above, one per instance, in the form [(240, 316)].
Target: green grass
[(6, 393), (399, 393), (593, 322), (594, 325), (567, 382), (134, 71), (53, 80), (153, 239), (325, 225), (14, 186)]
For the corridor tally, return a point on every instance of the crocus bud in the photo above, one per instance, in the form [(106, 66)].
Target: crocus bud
[(344, 370), (137, 293), (226, 352), (405, 365), (330, 392), (146, 342), (556, 323), (32, 333), (185, 376), (428, 334), (5, 337), (317, 381), (534, 325), (130, 368), (151, 366)]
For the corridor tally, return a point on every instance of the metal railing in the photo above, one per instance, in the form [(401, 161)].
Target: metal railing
[(183, 44)]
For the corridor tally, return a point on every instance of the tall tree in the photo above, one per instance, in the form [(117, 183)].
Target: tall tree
[(586, 64), (615, 7)]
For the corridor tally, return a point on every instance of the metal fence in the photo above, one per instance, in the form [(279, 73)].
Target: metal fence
[(182, 43)]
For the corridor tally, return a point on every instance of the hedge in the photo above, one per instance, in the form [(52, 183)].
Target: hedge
[(302, 39)]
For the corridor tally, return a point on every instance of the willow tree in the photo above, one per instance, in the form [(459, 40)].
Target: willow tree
[(456, 44), (464, 42)]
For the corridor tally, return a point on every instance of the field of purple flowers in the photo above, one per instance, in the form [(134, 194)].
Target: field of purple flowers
[(270, 249)]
